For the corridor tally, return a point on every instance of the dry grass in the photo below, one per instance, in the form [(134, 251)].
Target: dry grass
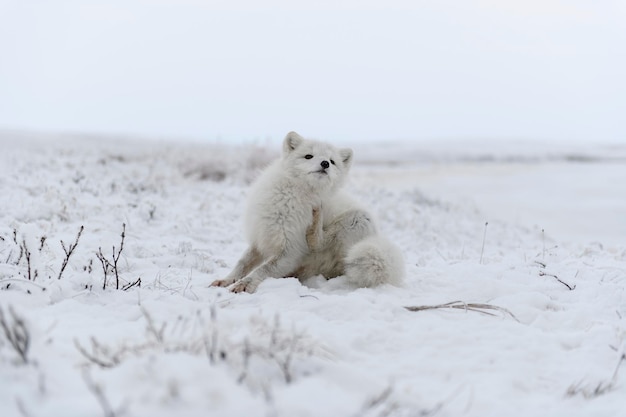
[(461, 305)]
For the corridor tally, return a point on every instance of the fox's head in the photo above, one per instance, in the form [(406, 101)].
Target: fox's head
[(317, 164)]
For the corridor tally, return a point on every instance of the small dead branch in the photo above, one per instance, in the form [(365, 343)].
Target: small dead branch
[(587, 392), (246, 353), (116, 258), (460, 305), (569, 287), (151, 327), (111, 266), (98, 392), (27, 254), (16, 333), (130, 285), (384, 405), (603, 387), (105, 267), (68, 250), (211, 344), (283, 346), (377, 402), (482, 250), (99, 355), (22, 408)]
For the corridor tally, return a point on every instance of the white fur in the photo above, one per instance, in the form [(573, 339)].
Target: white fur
[(374, 261), (299, 224)]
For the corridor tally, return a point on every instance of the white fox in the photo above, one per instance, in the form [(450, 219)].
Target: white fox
[(299, 225)]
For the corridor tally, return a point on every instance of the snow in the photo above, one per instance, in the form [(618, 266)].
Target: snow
[(174, 345)]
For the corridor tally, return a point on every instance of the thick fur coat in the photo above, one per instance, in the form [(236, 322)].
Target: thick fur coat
[(299, 224)]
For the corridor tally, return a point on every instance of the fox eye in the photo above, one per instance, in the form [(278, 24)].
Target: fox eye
[(308, 156), (332, 162)]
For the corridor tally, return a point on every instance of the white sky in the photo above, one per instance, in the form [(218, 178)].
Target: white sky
[(333, 69)]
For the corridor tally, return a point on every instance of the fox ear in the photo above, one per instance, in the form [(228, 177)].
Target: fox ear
[(346, 156), (291, 142)]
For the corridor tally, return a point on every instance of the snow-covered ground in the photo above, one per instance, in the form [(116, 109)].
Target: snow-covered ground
[(174, 346)]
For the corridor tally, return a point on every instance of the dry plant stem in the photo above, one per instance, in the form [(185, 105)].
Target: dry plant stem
[(100, 355), (212, 348), (112, 265), (68, 250), (97, 391), (22, 408), (376, 401), (482, 250), (602, 387), (246, 353), (130, 285), (621, 359), (569, 287), (27, 255), (16, 333), (151, 327), (116, 258), (477, 307), (105, 267)]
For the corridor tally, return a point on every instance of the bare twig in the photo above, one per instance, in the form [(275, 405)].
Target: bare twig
[(211, 345), (130, 285), (105, 267), (477, 307), (602, 387), (68, 250), (569, 287), (16, 333), (151, 327), (482, 250), (98, 392), (380, 398), (112, 265), (22, 408), (19, 258), (116, 258), (247, 353), (27, 255), (379, 405), (99, 354), (621, 359)]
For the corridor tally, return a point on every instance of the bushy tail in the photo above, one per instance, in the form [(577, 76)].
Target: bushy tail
[(374, 261)]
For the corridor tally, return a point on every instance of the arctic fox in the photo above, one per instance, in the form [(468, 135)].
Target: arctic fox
[(299, 225)]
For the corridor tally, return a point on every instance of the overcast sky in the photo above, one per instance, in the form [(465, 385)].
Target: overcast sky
[(332, 69)]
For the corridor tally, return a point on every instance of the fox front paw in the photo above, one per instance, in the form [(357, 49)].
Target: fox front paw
[(245, 285), (222, 282)]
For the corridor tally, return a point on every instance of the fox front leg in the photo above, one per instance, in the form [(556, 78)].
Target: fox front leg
[(275, 267), (250, 259)]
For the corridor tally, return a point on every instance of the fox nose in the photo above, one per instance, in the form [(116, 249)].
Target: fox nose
[(325, 164)]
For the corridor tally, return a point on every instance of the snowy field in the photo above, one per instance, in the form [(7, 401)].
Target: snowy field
[(549, 268)]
